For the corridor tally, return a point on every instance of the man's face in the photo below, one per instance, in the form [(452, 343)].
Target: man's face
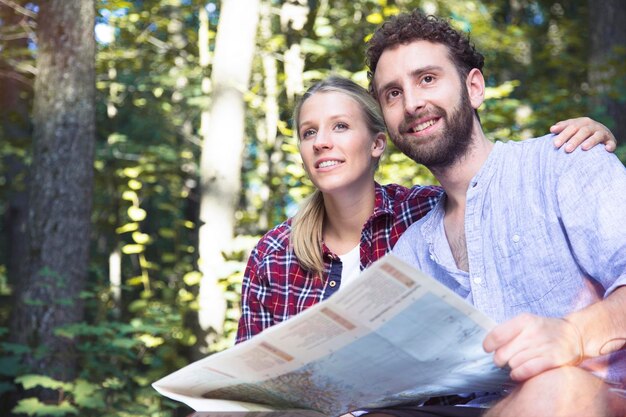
[(425, 104)]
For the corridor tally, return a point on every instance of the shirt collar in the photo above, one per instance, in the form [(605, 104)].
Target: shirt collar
[(328, 254), (432, 220), (383, 203), (486, 172)]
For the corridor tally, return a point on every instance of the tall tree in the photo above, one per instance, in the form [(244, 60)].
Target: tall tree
[(221, 159), (606, 61), (61, 185)]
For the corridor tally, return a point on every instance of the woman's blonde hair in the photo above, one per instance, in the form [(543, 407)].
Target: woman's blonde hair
[(307, 224)]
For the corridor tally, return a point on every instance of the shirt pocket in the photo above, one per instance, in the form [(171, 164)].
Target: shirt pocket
[(527, 267)]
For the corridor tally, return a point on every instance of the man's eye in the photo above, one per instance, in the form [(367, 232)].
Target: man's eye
[(393, 94), (428, 79)]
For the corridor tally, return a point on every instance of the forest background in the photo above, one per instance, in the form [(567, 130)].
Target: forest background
[(139, 167)]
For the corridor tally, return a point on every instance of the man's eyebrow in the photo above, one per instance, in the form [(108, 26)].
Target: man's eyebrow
[(415, 74), (384, 87), (429, 68)]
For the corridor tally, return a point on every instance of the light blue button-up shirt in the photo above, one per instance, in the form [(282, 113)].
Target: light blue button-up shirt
[(545, 232)]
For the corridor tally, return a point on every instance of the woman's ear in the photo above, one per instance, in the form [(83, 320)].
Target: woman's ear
[(379, 144)]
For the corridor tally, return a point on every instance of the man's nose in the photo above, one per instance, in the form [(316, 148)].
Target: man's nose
[(413, 102)]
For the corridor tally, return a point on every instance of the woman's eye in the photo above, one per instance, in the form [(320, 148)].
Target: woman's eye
[(341, 125), (307, 133)]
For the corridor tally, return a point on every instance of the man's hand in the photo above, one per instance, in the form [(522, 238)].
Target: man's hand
[(583, 132), (531, 344)]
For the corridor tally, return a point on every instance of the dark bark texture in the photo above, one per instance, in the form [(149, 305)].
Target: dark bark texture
[(61, 182)]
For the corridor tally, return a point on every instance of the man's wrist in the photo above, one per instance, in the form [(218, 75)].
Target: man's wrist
[(581, 342)]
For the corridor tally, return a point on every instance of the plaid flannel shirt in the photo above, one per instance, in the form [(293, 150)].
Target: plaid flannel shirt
[(275, 286)]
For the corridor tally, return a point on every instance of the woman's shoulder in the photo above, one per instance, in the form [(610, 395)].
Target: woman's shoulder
[(275, 240)]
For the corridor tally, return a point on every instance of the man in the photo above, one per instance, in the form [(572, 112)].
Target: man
[(532, 237)]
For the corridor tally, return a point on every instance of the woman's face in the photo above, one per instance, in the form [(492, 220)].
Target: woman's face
[(338, 150)]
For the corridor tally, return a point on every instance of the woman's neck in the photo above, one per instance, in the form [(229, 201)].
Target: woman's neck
[(345, 216)]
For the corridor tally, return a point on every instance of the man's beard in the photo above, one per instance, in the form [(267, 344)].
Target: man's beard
[(443, 149)]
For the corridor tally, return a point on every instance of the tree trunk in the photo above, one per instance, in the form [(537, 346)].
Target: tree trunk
[(220, 163), (607, 20), (61, 185)]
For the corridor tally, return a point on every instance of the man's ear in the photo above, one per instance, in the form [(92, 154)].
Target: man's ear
[(379, 145), (475, 84)]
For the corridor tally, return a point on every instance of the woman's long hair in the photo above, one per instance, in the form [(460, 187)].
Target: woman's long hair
[(307, 224)]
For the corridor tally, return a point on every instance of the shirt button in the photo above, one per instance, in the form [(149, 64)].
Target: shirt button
[(515, 238), (432, 257), (478, 280), (332, 283)]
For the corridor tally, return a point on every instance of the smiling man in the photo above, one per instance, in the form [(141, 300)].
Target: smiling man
[(531, 236)]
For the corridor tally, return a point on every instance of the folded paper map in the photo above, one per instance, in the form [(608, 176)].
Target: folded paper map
[(393, 336)]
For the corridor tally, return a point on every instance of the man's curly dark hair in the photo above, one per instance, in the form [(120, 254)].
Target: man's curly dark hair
[(409, 27)]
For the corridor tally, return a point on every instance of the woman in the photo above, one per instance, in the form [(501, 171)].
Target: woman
[(349, 221)]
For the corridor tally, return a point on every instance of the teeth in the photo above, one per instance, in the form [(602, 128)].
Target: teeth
[(424, 125), (328, 164)]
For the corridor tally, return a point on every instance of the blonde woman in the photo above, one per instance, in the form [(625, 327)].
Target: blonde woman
[(350, 220)]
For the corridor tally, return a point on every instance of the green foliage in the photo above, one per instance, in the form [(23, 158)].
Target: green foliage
[(8, 365), (31, 381), (34, 407), (79, 395), (134, 355)]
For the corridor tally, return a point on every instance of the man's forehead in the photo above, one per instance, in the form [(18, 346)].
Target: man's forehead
[(416, 53), (408, 57)]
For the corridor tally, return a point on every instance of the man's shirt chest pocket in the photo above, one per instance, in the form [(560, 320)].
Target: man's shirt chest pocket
[(526, 263)]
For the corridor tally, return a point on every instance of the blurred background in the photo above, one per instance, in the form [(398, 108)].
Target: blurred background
[(114, 277)]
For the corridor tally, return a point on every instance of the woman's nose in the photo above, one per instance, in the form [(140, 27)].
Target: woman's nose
[(322, 140)]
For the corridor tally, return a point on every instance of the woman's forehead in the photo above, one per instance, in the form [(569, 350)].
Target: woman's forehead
[(327, 103)]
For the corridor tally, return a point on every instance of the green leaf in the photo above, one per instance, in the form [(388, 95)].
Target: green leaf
[(314, 48), (128, 227), (10, 366), (137, 305), (192, 278), (34, 407), (113, 384), (136, 214), (49, 272), (132, 249), (31, 381), (88, 395), (33, 302), (15, 348), (375, 18), (125, 343), (64, 301), (81, 329)]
